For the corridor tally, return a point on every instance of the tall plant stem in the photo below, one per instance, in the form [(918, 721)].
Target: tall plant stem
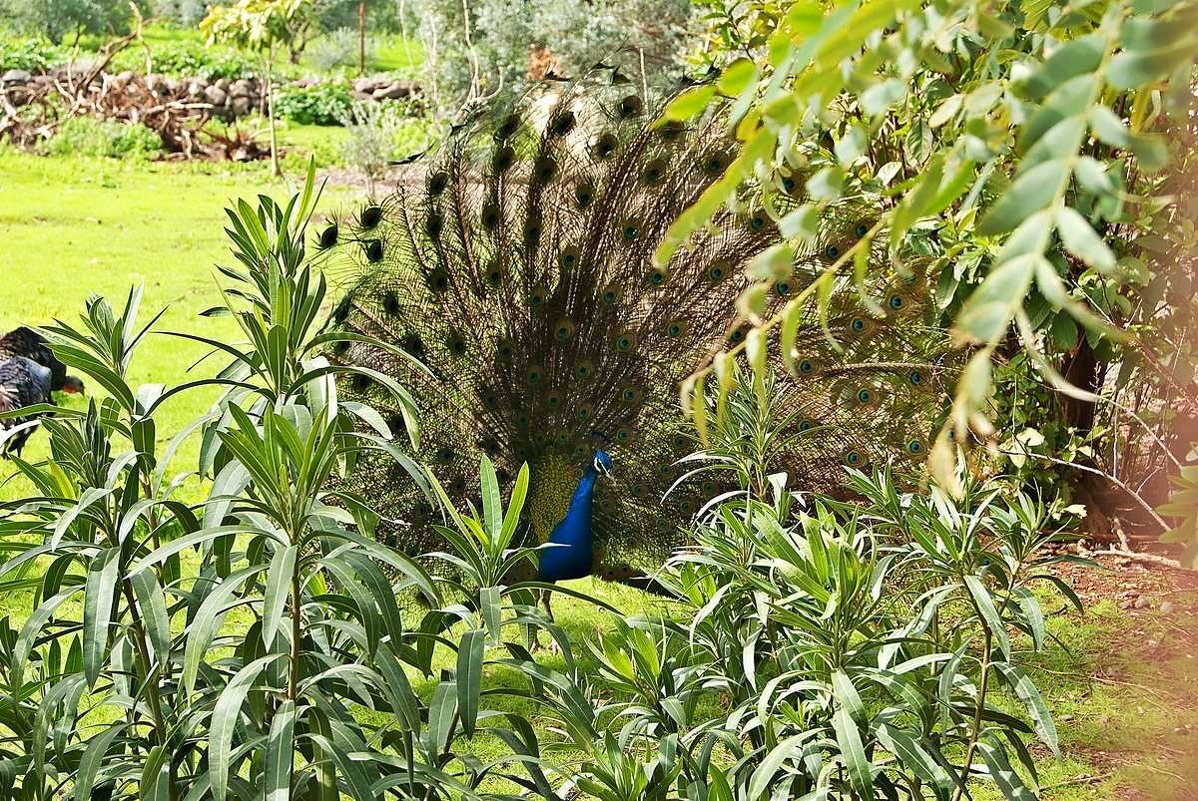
[(979, 709), (294, 674)]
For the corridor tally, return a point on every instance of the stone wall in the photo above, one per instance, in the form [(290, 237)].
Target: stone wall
[(227, 99)]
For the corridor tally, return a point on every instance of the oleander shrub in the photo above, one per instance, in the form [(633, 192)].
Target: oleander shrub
[(825, 649), (248, 643)]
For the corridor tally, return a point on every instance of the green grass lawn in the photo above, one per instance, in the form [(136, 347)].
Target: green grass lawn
[(392, 53), (73, 227)]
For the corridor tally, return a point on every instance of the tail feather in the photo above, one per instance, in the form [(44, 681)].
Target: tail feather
[(521, 270)]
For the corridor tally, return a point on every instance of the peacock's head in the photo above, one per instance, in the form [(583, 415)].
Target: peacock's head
[(603, 463)]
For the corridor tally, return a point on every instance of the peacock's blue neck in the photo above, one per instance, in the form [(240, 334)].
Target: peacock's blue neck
[(574, 532)]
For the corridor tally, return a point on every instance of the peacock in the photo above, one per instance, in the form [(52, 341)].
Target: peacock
[(29, 373), (518, 269)]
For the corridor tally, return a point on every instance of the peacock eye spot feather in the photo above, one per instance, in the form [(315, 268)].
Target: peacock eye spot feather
[(583, 413), (623, 435), (657, 277), (738, 335), (605, 145), (371, 216), (671, 131), (508, 127), (715, 164), (832, 251), (758, 221), (491, 400), (532, 233), (534, 375), (552, 401), (568, 258), (563, 331), (716, 272), (562, 123), (789, 184), (806, 367), (631, 106), (630, 394), (916, 378), (625, 342), (341, 313), (544, 169), (360, 382), (391, 302), (328, 237), (631, 230), (504, 157), (506, 351), (455, 344), (437, 183), (609, 296), (864, 395), (675, 328), (861, 229), (438, 280), (782, 289), (858, 325), (805, 425), (653, 173), (896, 301), (414, 345), (914, 446), (853, 458), (341, 347), (583, 371), (434, 224), (373, 249), (490, 216)]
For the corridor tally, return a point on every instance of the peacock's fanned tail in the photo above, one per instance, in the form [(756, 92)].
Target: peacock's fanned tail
[(520, 270)]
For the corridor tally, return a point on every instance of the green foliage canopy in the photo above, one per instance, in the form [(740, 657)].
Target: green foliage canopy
[(1023, 141)]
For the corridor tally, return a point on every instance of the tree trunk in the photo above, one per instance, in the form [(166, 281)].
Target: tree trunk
[(270, 116), (361, 37)]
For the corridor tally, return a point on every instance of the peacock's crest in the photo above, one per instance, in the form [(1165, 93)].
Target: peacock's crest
[(520, 270)]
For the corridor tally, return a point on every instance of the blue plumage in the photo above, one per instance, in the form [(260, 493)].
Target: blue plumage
[(573, 551)]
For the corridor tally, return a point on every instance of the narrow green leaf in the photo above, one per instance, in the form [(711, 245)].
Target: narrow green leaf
[(763, 776), (1026, 689), (469, 676), (93, 759), (989, 614), (280, 753), (151, 601), (278, 589), (98, 601), (224, 721), (855, 761)]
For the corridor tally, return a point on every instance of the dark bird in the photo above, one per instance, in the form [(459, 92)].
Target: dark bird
[(27, 343), (522, 273), (23, 382)]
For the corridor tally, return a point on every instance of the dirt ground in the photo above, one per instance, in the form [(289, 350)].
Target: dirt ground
[(1144, 742)]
